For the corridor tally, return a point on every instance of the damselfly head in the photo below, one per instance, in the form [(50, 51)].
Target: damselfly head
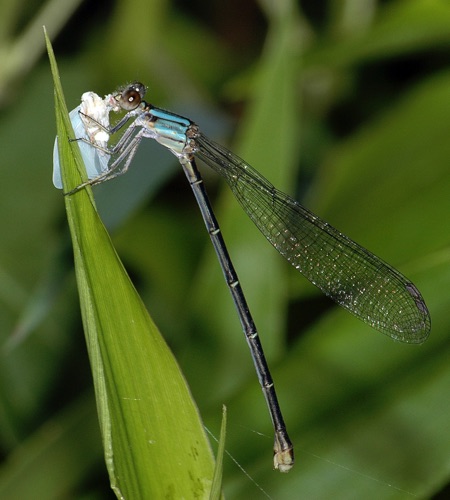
[(131, 96)]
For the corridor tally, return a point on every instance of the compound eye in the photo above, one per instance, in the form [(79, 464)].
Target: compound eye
[(132, 96)]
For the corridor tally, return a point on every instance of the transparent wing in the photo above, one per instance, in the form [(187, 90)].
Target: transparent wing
[(349, 274)]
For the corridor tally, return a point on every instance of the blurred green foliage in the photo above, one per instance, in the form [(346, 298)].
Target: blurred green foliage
[(344, 104)]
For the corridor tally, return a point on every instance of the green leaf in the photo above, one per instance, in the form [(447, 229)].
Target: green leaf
[(217, 480), (154, 441)]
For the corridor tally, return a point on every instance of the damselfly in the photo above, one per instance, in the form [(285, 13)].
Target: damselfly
[(353, 277)]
